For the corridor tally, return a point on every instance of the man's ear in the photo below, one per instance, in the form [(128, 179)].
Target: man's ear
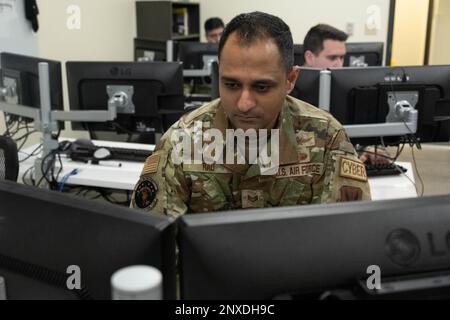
[(309, 58), (292, 78)]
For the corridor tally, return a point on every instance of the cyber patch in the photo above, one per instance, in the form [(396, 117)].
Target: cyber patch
[(352, 169), (145, 195)]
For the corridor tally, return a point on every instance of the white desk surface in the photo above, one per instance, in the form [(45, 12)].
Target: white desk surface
[(393, 187), (108, 174)]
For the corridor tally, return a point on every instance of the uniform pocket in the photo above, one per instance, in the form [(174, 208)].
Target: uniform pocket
[(207, 194), (297, 191)]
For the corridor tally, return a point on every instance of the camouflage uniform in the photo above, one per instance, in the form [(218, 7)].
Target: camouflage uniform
[(317, 164)]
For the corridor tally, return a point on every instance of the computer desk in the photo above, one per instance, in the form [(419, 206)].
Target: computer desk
[(123, 175), (394, 187)]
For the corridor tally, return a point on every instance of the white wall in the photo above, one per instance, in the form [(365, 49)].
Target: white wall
[(300, 15), (107, 29), (16, 34), (106, 33)]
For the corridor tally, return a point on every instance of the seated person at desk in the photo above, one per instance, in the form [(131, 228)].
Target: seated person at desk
[(324, 47), (213, 29), (313, 161)]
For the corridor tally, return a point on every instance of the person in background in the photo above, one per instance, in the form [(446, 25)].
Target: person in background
[(214, 29), (324, 47)]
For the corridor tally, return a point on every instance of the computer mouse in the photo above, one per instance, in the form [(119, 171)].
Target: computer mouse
[(83, 142), (81, 150), (64, 145)]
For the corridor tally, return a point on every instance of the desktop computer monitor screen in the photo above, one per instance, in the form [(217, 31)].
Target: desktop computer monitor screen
[(21, 74), (364, 54), (307, 85), (360, 96), (158, 93), (150, 50), (43, 232), (299, 58), (196, 55), (318, 251)]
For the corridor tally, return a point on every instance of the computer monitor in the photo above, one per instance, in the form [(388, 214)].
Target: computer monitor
[(360, 96), (318, 251), (197, 55), (20, 74), (364, 54), (151, 50), (158, 93), (299, 58), (43, 232), (307, 85)]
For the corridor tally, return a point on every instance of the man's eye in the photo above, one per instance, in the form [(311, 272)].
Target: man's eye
[(232, 85), (334, 58), (262, 87)]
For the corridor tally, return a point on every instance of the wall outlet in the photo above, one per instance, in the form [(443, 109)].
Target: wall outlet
[(350, 28)]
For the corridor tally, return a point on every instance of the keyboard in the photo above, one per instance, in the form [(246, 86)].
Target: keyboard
[(129, 154), (387, 169), (85, 152)]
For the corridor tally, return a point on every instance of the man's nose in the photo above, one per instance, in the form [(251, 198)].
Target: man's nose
[(339, 63), (246, 102)]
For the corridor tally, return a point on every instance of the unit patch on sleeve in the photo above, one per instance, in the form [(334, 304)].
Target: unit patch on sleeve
[(145, 195), (351, 193)]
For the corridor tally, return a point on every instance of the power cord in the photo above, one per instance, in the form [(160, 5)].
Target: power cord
[(418, 174)]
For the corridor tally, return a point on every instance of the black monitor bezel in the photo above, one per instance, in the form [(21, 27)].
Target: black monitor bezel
[(72, 234), (190, 53), (220, 253), (25, 67), (364, 48), (167, 73)]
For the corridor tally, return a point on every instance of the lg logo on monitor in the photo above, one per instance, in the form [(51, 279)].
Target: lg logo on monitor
[(120, 72), (403, 247)]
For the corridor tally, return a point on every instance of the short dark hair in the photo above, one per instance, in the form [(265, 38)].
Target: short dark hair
[(318, 34), (213, 23), (254, 26)]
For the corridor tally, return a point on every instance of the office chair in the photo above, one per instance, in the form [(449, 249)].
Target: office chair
[(9, 160)]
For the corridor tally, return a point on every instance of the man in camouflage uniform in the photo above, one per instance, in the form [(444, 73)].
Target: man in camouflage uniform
[(316, 161)]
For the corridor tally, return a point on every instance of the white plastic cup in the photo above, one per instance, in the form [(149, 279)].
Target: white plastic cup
[(137, 283), (2, 289)]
